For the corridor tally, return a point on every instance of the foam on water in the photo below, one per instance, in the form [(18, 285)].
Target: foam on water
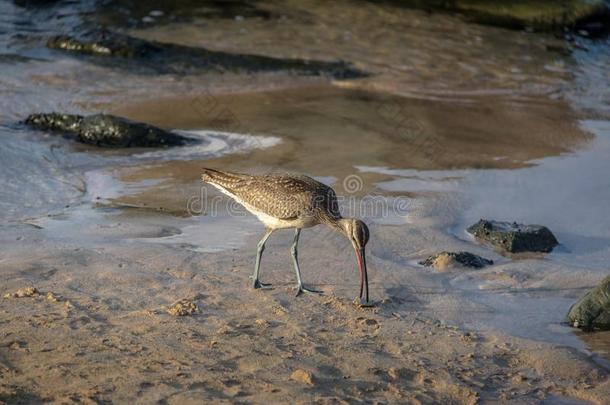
[(212, 143)]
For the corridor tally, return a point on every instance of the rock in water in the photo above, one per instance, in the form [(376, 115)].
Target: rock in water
[(104, 45), (514, 237), (107, 130), (172, 58), (445, 260), (592, 310), (55, 122), (539, 14)]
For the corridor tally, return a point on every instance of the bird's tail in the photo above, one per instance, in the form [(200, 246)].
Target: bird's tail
[(220, 178), (208, 174)]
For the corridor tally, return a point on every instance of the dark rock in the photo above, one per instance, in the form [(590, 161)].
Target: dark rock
[(55, 122), (105, 45), (519, 14), (170, 58), (444, 260), (107, 130), (540, 15), (514, 237), (592, 310)]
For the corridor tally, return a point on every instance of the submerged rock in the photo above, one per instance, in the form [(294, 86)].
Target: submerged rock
[(171, 58), (592, 310), (446, 260), (514, 237), (107, 130)]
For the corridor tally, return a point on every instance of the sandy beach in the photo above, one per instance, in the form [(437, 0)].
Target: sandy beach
[(125, 279), (98, 328)]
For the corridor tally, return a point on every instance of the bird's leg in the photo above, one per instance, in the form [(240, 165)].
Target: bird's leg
[(257, 265), (293, 250)]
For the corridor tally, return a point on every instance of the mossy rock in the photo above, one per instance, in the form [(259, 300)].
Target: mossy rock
[(538, 14), (104, 45), (514, 237), (592, 310), (107, 130), (55, 122)]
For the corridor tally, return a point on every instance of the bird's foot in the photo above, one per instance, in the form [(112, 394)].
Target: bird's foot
[(362, 303), (302, 289), (262, 286)]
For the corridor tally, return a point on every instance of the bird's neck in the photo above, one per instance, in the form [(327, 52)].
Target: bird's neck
[(339, 224)]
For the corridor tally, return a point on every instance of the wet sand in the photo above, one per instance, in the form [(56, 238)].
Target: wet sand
[(107, 335)]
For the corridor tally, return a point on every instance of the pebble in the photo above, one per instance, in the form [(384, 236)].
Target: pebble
[(52, 297), (183, 308), (23, 292), (302, 376)]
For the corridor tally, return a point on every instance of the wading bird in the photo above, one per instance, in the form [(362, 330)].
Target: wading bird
[(282, 201)]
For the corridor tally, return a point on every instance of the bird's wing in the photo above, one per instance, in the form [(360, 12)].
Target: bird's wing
[(280, 196)]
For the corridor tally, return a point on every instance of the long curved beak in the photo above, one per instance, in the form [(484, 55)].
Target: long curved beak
[(364, 278)]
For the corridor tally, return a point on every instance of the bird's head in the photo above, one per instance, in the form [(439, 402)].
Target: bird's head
[(358, 234)]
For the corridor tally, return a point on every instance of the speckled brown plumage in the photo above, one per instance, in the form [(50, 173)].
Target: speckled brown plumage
[(279, 195)]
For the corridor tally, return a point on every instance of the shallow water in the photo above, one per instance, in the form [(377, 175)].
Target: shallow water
[(460, 121), (567, 193)]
